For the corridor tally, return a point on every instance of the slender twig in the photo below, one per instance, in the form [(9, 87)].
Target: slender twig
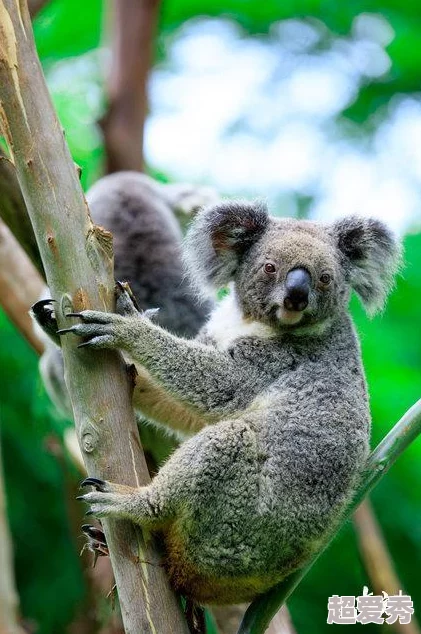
[(133, 30), (77, 258), (262, 610)]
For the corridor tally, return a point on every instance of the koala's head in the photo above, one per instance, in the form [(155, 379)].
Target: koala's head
[(291, 273)]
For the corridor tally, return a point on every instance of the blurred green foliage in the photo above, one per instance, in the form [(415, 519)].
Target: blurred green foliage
[(37, 479)]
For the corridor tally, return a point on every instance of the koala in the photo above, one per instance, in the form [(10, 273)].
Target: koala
[(271, 394), (140, 213)]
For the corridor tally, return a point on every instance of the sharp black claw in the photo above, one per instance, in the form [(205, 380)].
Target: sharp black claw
[(124, 288), (94, 482), (80, 497), (64, 331), (89, 512), (96, 541), (84, 345), (94, 533), (41, 303), (74, 315), (43, 313)]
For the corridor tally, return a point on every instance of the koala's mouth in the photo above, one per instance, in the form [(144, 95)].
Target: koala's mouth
[(289, 317)]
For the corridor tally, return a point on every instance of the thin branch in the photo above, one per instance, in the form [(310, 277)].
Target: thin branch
[(406, 430), (20, 285), (228, 619), (133, 30), (14, 213), (281, 622), (35, 6), (77, 258), (377, 560)]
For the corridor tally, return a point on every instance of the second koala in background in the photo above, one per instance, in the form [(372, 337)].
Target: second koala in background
[(141, 214)]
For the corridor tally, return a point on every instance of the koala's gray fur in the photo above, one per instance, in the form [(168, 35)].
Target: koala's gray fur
[(147, 242), (278, 401), (147, 251)]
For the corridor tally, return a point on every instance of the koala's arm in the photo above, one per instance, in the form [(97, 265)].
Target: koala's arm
[(156, 404), (205, 379)]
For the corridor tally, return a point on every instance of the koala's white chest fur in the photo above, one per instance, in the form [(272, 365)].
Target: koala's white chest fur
[(227, 324)]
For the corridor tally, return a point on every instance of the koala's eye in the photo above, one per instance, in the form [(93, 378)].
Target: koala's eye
[(325, 279), (270, 268)]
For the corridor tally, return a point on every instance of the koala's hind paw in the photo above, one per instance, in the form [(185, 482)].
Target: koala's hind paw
[(105, 486), (99, 485), (102, 504), (108, 499), (44, 315)]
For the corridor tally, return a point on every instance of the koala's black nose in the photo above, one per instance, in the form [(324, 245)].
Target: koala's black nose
[(297, 289)]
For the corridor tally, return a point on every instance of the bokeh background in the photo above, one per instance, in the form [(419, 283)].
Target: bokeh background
[(314, 105)]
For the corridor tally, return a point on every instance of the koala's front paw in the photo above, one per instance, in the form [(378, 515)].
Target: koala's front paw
[(101, 330)]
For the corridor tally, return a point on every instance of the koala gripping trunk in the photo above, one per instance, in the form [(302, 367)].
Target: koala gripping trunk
[(78, 262)]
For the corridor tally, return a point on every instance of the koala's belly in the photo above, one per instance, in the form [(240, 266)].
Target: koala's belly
[(190, 576)]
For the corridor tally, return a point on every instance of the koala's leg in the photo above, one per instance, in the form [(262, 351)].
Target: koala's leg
[(146, 506), (201, 376)]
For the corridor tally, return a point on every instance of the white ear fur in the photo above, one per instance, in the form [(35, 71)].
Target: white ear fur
[(219, 236)]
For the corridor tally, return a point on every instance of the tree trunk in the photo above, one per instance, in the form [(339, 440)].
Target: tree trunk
[(132, 33), (77, 258)]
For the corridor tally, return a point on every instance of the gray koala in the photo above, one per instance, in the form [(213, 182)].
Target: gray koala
[(272, 388), (140, 213)]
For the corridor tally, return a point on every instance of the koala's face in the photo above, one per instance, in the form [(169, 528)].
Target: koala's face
[(290, 273), (292, 276)]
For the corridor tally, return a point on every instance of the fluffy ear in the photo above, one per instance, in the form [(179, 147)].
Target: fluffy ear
[(218, 238), (371, 257)]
